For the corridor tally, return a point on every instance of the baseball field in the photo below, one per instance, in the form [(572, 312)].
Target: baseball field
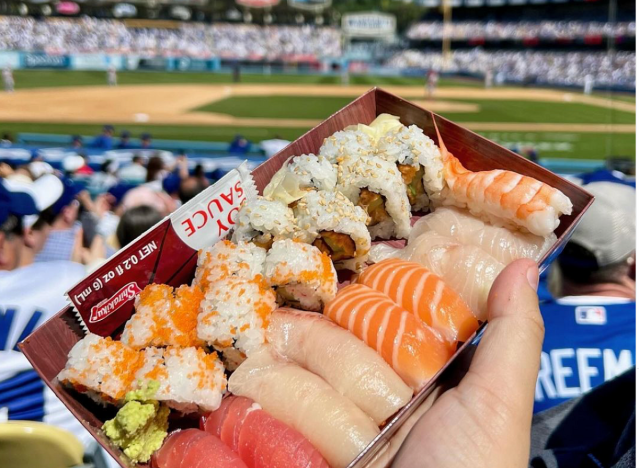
[(209, 107)]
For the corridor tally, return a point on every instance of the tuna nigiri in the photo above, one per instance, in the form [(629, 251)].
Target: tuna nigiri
[(193, 448), (261, 440), (340, 358), (503, 196), (424, 294), (413, 349), (304, 401), (501, 243)]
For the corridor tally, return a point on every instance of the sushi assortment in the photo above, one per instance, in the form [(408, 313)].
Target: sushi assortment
[(290, 368)]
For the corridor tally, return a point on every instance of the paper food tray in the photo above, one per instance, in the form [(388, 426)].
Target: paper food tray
[(168, 252)]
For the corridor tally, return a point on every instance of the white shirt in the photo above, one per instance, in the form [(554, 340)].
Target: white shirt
[(29, 296), (132, 173)]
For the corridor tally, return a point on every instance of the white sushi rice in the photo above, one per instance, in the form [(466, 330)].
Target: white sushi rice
[(234, 313), (302, 272), (382, 177), (190, 380), (409, 146), (332, 211), (245, 260), (347, 143), (101, 368), (313, 172), (262, 221)]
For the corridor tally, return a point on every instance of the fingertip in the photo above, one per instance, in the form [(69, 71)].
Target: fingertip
[(516, 285)]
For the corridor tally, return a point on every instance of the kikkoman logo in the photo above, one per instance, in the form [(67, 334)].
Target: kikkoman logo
[(108, 306)]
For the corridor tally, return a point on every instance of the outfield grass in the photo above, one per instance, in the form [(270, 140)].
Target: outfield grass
[(549, 144), (278, 107), (26, 79)]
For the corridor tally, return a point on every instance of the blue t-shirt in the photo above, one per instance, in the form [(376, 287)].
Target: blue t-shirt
[(589, 340)]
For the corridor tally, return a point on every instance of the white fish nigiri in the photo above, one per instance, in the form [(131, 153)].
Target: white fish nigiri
[(500, 242), (339, 357), (304, 401), (466, 268)]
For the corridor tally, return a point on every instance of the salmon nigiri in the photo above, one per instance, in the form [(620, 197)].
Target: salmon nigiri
[(413, 349), (424, 294), (503, 196), (261, 440)]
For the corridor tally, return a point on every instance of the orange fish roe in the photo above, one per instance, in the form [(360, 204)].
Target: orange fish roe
[(166, 317)]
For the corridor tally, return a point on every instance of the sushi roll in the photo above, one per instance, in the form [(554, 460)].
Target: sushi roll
[(164, 317), (351, 143), (225, 258), (298, 176), (313, 172), (303, 276), (377, 186), (418, 160), (101, 368), (337, 227), (234, 315), (190, 379), (262, 221)]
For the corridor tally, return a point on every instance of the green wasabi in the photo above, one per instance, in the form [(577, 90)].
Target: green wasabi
[(141, 425)]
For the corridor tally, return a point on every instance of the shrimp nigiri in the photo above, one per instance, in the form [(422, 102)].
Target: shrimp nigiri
[(503, 196), (413, 349), (419, 291)]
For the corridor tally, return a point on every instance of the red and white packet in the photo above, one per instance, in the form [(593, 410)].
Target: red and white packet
[(166, 253)]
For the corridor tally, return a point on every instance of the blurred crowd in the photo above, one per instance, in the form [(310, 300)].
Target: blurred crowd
[(555, 68), (88, 35), (253, 41), (519, 30)]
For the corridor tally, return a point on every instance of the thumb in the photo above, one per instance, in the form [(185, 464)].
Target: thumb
[(506, 362)]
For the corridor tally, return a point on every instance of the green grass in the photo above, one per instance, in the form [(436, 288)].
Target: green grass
[(549, 144), (279, 107), (26, 79), (165, 132), (569, 145)]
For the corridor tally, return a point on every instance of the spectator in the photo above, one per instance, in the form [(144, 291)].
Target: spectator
[(155, 169), (190, 187), (135, 222), (145, 141), (76, 142), (134, 173), (6, 140), (30, 294), (273, 146), (171, 185), (199, 174), (105, 140), (105, 178), (64, 241), (590, 329), (239, 146), (85, 169), (125, 140), (72, 163)]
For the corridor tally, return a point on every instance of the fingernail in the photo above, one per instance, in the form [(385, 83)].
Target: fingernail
[(533, 277)]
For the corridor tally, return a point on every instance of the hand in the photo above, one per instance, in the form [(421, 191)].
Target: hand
[(485, 420)]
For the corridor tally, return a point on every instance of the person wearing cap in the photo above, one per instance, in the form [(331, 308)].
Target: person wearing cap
[(125, 140), (30, 294), (64, 241), (105, 139), (84, 170), (590, 327), (76, 142), (145, 141)]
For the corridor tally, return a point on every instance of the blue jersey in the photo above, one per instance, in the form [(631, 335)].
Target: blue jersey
[(589, 340)]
